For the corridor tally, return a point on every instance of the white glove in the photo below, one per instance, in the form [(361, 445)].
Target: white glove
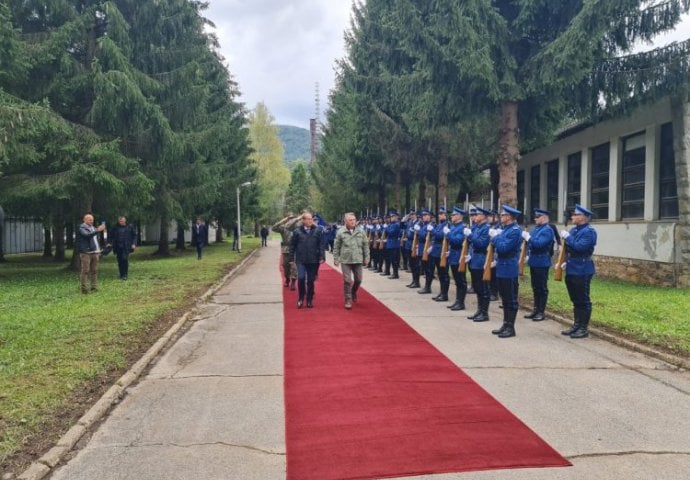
[(429, 249), (467, 232), (493, 264), (494, 232), (429, 228), (417, 228), (526, 258), (563, 265), (385, 225), (468, 258), (446, 230), (564, 234), (526, 236), (448, 254)]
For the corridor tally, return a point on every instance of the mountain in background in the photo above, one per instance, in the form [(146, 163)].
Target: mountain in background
[(296, 142)]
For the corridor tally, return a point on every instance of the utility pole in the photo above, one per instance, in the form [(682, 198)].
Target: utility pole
[(315, 128)]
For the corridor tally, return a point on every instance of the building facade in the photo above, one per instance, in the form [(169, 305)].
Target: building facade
[(633, 173)]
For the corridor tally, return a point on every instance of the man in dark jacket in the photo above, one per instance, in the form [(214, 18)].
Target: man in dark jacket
[(89, 252), (307, 251), (123, 239), (199, 236)]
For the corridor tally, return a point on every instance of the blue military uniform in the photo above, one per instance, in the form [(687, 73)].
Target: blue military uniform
[(426, 266), (409, 236), (456, 238), (479, 243), (392, 246), (438, 235), (579, 244), (507, 243), (540, 245)]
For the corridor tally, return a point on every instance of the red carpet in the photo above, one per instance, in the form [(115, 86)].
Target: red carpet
[(367, 397)]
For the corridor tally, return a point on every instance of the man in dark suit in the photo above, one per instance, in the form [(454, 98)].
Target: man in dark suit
[(199, 236), (123, 239), (307, 252)]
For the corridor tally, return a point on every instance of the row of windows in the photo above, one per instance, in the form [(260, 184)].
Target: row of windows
[(632, 189)]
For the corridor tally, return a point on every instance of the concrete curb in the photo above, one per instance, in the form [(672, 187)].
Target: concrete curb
[(670, 358), (44, 465)]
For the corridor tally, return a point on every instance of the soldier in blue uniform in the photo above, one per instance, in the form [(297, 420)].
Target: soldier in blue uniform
[(495, 223), (392, 246), (406, 244), (414, 229), (579, 269), (426, 266), (479, 241), (507, 243), (456, 237), (437, 237), (539, 251), (376, 251)]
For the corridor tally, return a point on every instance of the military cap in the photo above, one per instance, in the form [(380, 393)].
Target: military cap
[(411, 211), (482, 211), (513, 212), (459, 211), (441, 210), (538, 212), (582, 210), (424, 211), (393, 212)]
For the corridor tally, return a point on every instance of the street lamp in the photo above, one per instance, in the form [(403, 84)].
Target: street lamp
[(239, 221)]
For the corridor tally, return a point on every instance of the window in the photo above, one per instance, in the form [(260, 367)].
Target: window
[(668, 194), (599, 200), (574, 177), (534, 190), (520, 187), (632, 177), (552, 188)]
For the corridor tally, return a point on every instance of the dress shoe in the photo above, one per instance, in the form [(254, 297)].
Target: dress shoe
[(456, 307), (348, 304), (300, 303), (424, 291), (309, 304), (441, 298), (538, 317), (393, 277)]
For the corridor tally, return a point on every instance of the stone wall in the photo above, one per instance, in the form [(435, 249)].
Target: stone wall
[(642, 272)]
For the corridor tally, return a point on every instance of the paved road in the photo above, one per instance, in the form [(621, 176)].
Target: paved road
[(212, 406)]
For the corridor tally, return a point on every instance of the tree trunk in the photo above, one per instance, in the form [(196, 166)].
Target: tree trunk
[(382, 200), (422, 194), (408, 197), (508, 154), (69, 235), (47, 242), (442, 191), (59, 237), (179, 242), (163, 241), (398, 191)]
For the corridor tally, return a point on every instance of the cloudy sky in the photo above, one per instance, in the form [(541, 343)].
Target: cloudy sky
[(277, 50)]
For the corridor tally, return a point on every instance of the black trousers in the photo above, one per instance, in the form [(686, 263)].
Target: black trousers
[(123, 262), (393, 257), (508, 290), (306, 275), (578, 290), (415, 267), (539, 277), (460, 279), (480, 287), (442, 272)]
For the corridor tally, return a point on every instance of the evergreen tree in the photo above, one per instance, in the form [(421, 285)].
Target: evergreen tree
[(298, 194)]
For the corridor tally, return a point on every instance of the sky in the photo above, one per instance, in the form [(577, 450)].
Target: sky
[(277, 50)]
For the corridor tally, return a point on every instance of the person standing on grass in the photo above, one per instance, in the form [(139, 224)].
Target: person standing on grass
[(89, 253), (579, 269), (307, 252), (351, 252), (123, 239), (539, 251), (199, 237)]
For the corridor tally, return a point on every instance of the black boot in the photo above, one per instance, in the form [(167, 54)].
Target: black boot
[(582, 329), (540, 306), (484, 313), (426, 289), (395, 274), (535, 309), (509, 331), (576, 325), (503, 326)]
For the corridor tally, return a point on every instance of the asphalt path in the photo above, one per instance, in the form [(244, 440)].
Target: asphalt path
[(211, 407)]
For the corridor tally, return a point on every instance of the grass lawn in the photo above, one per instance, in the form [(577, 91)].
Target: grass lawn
[(60, 349), (657, 316)]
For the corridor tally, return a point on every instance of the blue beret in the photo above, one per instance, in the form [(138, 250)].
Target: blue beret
[(458, 210), (580, 209), (541, 211), (511, 211)]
